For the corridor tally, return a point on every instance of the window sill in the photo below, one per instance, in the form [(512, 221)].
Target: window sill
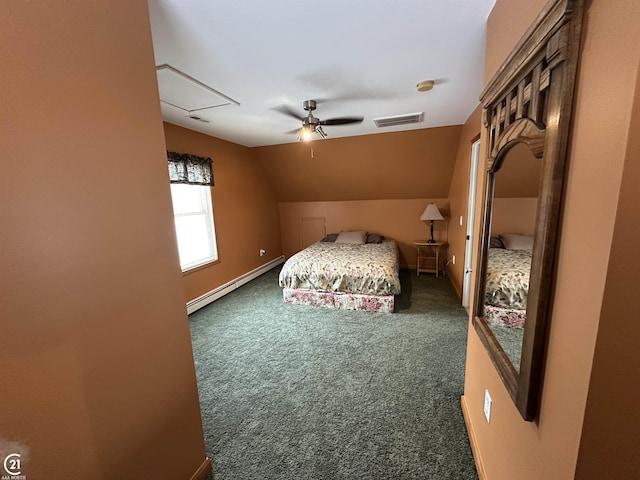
[(200, 267)]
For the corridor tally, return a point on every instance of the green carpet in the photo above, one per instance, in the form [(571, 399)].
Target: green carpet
[(295, 392)]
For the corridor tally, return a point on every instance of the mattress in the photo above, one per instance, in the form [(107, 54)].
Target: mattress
[(369, 269)]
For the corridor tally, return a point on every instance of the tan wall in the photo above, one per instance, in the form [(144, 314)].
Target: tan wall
[(399, 165), (97, 370), (509, 447), (459, 198), (519, 174), (610, 435), (245, 210), (513, 215), (398, 220), (506, 24)]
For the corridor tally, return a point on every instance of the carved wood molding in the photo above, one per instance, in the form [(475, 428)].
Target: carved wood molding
[(537, 37), (523, 130), (519, 89)]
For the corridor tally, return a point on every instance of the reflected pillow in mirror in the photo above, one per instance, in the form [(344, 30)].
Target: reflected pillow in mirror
[(374, 238), (495, 242), (358, 237), (517, 242), (330, 238)]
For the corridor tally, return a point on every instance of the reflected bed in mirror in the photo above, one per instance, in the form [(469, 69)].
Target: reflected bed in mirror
[(513, 218), (526, 115)]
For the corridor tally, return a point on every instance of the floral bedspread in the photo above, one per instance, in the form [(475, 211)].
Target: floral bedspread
[(370, 269), (341, 301), (507, 283)]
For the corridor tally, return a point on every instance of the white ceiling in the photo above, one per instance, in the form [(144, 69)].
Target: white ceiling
[(361, 57)]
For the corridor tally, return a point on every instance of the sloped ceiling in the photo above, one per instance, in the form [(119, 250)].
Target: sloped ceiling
[(400, 165)]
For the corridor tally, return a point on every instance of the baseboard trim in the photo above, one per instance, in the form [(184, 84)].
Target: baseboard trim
[(216, 293), (472, 440), (203, 471), (453, 284)]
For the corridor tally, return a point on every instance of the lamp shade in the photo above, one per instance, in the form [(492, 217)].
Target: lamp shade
[(431, 213)]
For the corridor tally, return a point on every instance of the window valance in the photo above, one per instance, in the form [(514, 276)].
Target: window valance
[(190, 169)]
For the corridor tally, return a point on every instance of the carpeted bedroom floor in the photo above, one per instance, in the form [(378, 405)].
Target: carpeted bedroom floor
[(295, 392)]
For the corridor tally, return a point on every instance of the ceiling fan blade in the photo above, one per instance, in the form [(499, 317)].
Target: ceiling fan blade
[(341, 121), (296, 130), (289, 111)]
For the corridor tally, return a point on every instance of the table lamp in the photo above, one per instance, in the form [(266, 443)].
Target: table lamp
[(431, 213)]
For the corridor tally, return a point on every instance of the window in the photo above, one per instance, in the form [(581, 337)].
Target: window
[(193, 216)]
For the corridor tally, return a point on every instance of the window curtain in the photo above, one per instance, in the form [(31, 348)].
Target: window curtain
[(189, 169)]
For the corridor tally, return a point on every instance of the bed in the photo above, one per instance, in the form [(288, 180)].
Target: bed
[(507, 286), (348, 276)]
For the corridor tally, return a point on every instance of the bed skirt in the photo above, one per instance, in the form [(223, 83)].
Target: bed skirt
[(342, 301), (504, 317)]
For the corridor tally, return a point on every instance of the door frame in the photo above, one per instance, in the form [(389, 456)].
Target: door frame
[(471, 215)]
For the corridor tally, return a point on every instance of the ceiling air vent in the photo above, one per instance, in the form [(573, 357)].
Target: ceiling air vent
[(198, 118), (399, 120)]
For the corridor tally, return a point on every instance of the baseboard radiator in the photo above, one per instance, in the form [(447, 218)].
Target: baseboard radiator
[(213, 295)]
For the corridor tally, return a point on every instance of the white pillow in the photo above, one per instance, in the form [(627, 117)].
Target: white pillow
[(517, 242), (358, 237)]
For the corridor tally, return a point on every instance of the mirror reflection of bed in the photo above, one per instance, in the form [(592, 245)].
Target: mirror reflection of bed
[(513, 219)]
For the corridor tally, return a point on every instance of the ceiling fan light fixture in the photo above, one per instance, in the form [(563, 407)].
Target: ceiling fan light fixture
[(425, 85), (311, 124), (321, 132), (305, 134)]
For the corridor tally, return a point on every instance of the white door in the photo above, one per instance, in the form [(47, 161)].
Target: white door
[(471, 215)]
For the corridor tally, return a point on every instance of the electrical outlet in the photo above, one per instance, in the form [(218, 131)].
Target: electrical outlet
[(453, 259), (487, 405), (262, 252)]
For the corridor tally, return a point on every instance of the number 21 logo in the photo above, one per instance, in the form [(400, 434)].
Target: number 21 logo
[(12, 464)]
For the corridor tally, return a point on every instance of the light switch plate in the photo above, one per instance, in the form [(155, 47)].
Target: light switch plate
[(487, 405)]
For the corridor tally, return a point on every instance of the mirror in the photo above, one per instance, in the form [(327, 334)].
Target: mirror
[(515, 200), (526, 116)]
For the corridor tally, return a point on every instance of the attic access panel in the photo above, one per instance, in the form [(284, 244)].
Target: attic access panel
[(182, 91)]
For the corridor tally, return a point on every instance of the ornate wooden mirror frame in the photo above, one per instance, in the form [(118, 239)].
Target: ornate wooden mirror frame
[(529, 100)]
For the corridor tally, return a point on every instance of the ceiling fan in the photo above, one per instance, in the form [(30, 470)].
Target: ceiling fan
[(311, 124)]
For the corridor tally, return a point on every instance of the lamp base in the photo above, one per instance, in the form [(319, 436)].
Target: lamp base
[(431, 240)]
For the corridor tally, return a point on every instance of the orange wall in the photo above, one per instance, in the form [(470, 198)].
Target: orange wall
[(508, 447), (97, 370), (611, 431), (459, 197), (513, 215), (506, 24), (245, 210), (388, 166), (398, 220), (379, 183), (519, 175)]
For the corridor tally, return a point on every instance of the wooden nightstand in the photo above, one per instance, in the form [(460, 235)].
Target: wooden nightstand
[(428, 257)]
